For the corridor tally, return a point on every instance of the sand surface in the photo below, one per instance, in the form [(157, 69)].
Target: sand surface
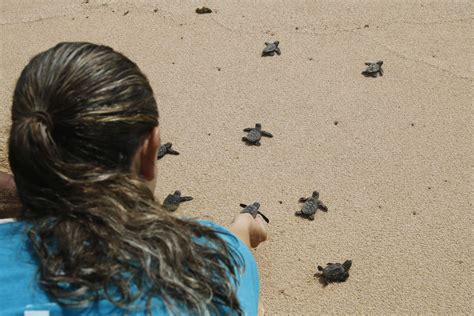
[(396, 171)]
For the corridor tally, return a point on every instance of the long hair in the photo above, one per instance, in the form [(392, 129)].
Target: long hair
[(80, 112)]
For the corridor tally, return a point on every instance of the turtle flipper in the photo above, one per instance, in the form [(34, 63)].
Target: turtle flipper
[(311, 217), (257, 143), (381, 72), (302, 200), (322, 207), (172, 152), (185, 199), (248, 129), (278, 51), (243, 205), (266, 134), (264, 217), (299, 213)]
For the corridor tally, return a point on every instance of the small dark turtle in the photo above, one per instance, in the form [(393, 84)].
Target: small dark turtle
[(166, 149), (310, 206), (252, 209), (335, 272), (271, 49), (172, 201), (255, 134), (203, 10), (373, 69)]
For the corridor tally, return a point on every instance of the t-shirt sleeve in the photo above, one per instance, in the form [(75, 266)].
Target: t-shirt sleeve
[(249, 286)]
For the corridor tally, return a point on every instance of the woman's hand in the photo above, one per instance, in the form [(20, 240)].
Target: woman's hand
[(252, 231)]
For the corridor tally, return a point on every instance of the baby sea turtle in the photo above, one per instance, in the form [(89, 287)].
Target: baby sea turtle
[(203, 10), (166, 149), (310, 206), (271, 49), (255, 134), (335, 272), (373, 69), (172, 201), (252, 209)]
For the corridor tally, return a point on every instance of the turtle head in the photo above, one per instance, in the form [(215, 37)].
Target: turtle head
[(178, 193), (276, 43), (256, 204), (316, 194), (168, 145), (380, 63), (258, 126), (320, 268), (347, 264)]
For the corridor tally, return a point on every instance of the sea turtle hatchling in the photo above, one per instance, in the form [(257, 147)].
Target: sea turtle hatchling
[(166, 149), (373, 69), (310, 206), (335, 272), (203, 10), (172, 201), (255, 134), (252, 209), (271, 48)]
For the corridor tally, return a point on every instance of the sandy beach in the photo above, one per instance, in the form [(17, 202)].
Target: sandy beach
[(392, 156)]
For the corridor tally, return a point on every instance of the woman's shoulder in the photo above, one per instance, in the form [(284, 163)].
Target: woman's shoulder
[(12, 230), (226, 235)]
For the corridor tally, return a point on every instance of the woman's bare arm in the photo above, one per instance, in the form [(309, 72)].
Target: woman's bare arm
[(252, 231)]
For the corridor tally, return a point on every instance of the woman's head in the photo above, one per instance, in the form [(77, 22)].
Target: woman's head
[(82, 148), (78, 109)]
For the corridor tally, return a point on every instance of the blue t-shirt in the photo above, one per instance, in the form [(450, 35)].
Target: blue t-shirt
[(20, 293)]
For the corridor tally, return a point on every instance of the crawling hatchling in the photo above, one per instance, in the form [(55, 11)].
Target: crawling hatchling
[(335, 272), (252, 209), (203, 10), (271, 48), (373, 69), (166, 149), (255, 134), (311, 205), (172, 201)]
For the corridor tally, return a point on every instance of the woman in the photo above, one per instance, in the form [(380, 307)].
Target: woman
[(90, 238)]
